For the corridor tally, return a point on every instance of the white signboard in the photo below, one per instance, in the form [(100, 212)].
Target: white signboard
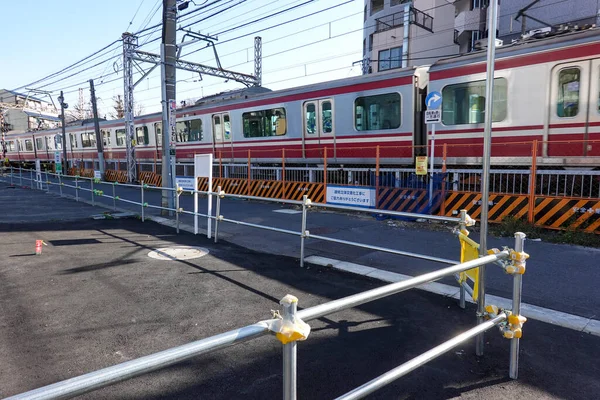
[(185, 182), (97, 175), (203, 168), (355, 196), (433, 116)]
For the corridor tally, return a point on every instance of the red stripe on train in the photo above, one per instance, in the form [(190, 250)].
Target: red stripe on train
[(551, 55)]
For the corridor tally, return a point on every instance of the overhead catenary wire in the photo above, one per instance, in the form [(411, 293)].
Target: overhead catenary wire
[(275, 26)]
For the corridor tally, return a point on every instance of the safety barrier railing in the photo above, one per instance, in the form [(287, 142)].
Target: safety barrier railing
[(290, 327)]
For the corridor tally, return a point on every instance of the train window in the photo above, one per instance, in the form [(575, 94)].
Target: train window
[(567, 104), (105, 137), (50, 143), (189, 131), (222, 130), (158, 133), (120, 137), (88, 139), (327, 116), (28, 145), (39, 143), (464, 103), (311, 118), (377, 112), (10, 145), (141, 135), (226, 127), (72, 141), (217, 128), (264, 123)]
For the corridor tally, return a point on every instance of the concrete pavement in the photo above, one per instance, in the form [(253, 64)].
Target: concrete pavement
[(559, 277)]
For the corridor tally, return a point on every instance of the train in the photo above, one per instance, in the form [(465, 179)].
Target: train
[(545, 90)]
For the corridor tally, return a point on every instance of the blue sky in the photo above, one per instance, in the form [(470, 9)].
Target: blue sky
[(42, 37)]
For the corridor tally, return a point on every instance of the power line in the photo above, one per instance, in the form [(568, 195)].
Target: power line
[(263, 18), (134, 15), (274, 26), (69, 67)]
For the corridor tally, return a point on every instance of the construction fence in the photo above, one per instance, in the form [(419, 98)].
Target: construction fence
[(551, 184)]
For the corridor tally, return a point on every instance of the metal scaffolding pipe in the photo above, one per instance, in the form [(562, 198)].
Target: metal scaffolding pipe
[(418, 361), (120, 372), (393, 288)]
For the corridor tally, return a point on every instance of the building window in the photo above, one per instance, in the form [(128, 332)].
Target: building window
[(390, 59), (105, 137), (567, 104), (141, 135), (376, 6), (464, 103), (39, 143), (120, 133), (478, 4), (264, 123), (28, 145), (396, 2), (475, 36), (365, 17), (189, 131), (377, 112)]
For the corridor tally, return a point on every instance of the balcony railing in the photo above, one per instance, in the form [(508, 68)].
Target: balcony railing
[(415, 16)]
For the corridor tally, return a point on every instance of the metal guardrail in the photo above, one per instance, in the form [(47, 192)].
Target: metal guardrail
[(117, 373)]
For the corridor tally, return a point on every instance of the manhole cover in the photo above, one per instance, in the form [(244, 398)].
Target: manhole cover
[(178, 253)]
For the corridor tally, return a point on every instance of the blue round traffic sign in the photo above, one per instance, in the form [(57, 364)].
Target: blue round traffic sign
[(433, 101)]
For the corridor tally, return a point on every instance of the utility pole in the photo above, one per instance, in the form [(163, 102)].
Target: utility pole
[(63, 105), (168, 55), (99, 139), (129, 45)]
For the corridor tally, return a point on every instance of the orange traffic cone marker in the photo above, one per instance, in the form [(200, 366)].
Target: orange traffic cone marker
[(38, 247)]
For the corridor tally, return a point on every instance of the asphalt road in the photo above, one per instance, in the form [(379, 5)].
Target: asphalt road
[(559, 277), (94, 299)]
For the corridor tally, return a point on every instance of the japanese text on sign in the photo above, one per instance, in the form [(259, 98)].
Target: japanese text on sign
[(421, 165), (351, 196)]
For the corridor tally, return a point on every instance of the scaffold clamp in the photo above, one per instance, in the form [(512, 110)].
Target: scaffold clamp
[(289, 328), (517, 264)]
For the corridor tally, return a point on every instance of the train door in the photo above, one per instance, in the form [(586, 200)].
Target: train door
[(222, 140), (319, 123), (592, 135), (570, 108)]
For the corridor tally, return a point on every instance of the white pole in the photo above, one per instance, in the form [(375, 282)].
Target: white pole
[(485, 178), (210, 189), (431, 166), (195, 205)]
